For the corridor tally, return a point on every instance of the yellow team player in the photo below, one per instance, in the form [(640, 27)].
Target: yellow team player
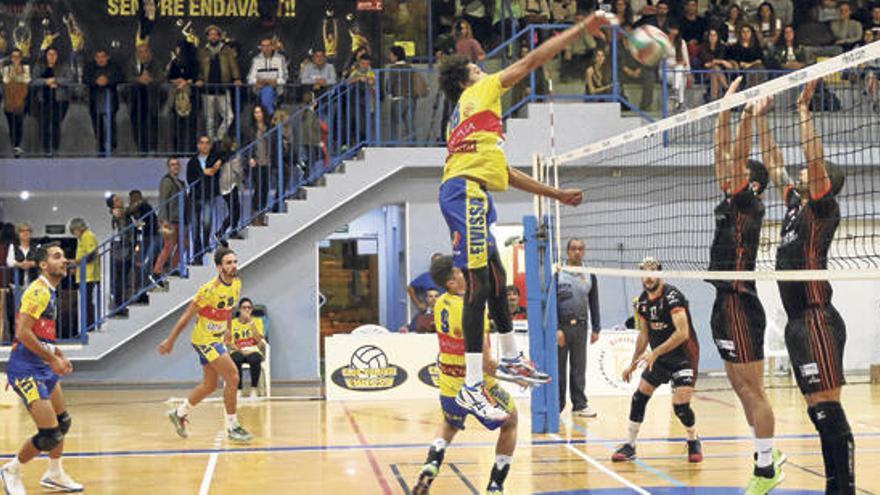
[(213, 306), (475, 165), (447, 318), (34, 369), (247, 343)]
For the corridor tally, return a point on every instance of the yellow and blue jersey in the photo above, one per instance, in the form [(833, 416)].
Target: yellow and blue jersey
[(475, 136), (215, 301), (447, 319), (244, 334)]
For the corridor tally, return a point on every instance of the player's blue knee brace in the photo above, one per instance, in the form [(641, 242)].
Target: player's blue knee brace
[(64, 422), (47, 439), (637, 407), (685, 414)]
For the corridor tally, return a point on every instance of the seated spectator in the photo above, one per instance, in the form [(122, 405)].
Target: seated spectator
[(847, 32), (789, 54), (317, 73), (828, 11), (873, 24), (678, 66), (16, 76), (713, 54), (746, 53), (466, 45), (729, 30), (816, 37), (419, 286), (51, 80), (768, 27), (86, 249), (20, 256), (517, 312), (598, 75), (660, 18), (423, 321), (693, 27), (268, 75), (247, 344)]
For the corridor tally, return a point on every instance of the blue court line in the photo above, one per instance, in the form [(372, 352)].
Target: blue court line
[(638, 462), (464, 479), (400, 480)]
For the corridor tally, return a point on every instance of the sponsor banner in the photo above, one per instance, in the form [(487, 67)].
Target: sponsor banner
[(606, 360)]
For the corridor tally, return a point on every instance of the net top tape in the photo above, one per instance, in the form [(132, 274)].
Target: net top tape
[(762, 275)]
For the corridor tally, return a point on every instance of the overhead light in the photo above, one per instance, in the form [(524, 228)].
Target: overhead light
[(24, 195), (54, 208), (107, 194)]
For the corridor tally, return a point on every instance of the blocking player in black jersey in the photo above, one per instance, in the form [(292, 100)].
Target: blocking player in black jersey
[(815, 333), (665, 323), (738, 321)]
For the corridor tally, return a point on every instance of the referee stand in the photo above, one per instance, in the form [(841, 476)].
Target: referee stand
[(541, 311)]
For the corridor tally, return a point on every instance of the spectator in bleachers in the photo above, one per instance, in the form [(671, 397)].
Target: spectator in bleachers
[(143, 216), (16, 76), (172, 191), (102, 75), (51, 78), (633, 72), (307, 137), (465, 43), (784, 10), (713, 54), (259, 164), (828, 11), (403, 87), (692, 26), (847, 32), (268, 75), (789, 54), (870, 72), (247, 343), (202, 176), (816, 37), (598, 77), (747, 54), (517, 312), (660, 18), (86, 249), (144, 77), (479, 16), (423, 321), (21, 256), (183, 71), (768, 28), (873, 23), (536, 11), (729, 30), (317, 73), (523, 88), (363, 78), (563, 11), (232, 176), (121, 251), (218, 68), (678, 67), (623, 11)]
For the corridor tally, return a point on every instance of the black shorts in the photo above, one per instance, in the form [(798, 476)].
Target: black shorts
[(815, 343), (681, 372), (738, 324)]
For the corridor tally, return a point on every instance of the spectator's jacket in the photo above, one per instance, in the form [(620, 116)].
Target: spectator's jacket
[(91, 72), (814, 34), (274, 67), (781, 55), (576, 295), (85, 248), (403, 82), (311, 73), (228, 64), (151, 66), (62, 77), (204, 187), (144, 216), (15, 88), (308, 129), (231, 174), (169, 197), (848, 31)]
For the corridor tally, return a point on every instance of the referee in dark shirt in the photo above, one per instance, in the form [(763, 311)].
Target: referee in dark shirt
[(577, 297)]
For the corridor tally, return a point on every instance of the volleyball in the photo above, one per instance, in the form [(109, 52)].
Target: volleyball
[(649, 45), (367, 357)]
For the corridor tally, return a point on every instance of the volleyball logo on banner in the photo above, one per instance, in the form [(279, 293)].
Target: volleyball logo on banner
[(607, 358), (369, 371), (430, 374)]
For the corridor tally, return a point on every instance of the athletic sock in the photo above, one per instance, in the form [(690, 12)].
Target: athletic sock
[(764, 449), (508, 345), (184, 408), (691, 433), (473, 362), (436, 452), (231, 420), (500, 470), (55, 466), (13, 465), (633, 432)]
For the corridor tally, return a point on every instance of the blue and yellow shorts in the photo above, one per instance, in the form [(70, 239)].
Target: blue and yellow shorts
[(470, 213), (209, 352), (454, 415), (34, 386)]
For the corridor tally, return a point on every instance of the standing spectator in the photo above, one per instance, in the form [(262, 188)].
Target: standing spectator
[(874, 24), (144, 77), (746, 53), (259, 162), (517, 312), (419, 286), (789, 54), (102, 75), (768, 28), (317, 73), (714, 56), (635, 73), (247, 343), (678, 66), (201, 175), (598, 77), (218, 68), (231, 180), (87, 249), (784, 10), (307, 134), (21, 256), (466, 45), (16, 77), (183, 70), (478, 14), (146, 236), (816, 37), (660, 18), (121, 250), (363, 78), (729, 30), (577, 297), (172, 192), (404, 87), (692, 26), (51, 79), (847, 32), (268, 75)]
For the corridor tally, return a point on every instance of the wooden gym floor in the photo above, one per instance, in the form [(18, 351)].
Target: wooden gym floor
[(122, 443)]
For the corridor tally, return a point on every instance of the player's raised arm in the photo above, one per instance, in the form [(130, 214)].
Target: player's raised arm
[(167, 345), (742, 146), (814, 155), (770, 154), (524, 182), (723, 153), (554, 46)]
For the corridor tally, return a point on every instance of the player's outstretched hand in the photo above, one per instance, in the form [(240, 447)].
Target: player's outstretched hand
[(571, 197), (760, 107), (733, 86), (806, 96), (165, 347)]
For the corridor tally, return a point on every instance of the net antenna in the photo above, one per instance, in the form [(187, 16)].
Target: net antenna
[(663, 201)]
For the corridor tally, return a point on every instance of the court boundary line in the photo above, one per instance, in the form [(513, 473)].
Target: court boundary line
[(598, 465), (205, 487), (374, 464), (821, 475), (464, 479), (397, 474)]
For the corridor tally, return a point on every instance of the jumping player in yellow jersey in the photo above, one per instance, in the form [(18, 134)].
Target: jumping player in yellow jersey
[(447, 316), (213, 305), (475, 165), (34, 370)]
